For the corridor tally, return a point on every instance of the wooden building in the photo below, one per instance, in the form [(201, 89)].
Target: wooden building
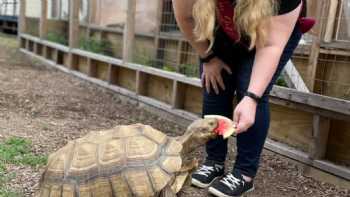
[(8, 15)]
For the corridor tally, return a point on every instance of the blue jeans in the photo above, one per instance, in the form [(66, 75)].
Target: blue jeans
[(251, 142)]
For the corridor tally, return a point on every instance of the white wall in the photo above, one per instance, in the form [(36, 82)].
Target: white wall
[(9, 9), (109, 12), (113, 13), (33, 8)]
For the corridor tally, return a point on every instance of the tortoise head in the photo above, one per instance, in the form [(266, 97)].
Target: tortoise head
[(203, 130), (199, 133)]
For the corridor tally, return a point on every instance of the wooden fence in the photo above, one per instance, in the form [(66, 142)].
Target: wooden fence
[(307, 127)]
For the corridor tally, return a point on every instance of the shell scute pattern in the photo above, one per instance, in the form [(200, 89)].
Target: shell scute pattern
[(140, 148), (139, 182), (158, 177), (84, 157), (68, 190), (112, 153), (127, 160), (120, 186)]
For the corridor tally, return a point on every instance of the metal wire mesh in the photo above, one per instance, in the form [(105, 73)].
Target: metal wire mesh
[(327, 74), (32, 15), (9, 8), (320, 63), (161, 45), (58, 21), (101, 26)]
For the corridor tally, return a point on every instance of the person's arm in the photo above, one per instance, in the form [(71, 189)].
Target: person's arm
[(211, 76), (265, 65), (183, 15), (268, 56)]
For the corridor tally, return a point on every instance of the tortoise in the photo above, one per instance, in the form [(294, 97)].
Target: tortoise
[(127, 160)]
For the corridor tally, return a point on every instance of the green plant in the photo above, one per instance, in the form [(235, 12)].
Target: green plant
[(189, 70), (6, 192), (17, 151), (96, 46), (146, 61), (281, 81), (56, 37), (169, 68)]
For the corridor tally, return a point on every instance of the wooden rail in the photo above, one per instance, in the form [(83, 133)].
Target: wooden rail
[(181, 96), (304, 126)]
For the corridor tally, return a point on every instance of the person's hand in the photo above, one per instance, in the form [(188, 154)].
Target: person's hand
[(211, 76), (244, 114)]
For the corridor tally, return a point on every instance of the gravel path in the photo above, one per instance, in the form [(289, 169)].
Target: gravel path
[(51, 108)]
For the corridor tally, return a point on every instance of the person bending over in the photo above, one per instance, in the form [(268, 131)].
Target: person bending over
[(243, 46)]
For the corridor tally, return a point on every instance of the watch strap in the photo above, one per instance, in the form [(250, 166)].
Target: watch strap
[(253, 96), (208, 58)]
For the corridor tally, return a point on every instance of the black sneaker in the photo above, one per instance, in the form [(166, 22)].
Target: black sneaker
[(207, 173), (231, 185)]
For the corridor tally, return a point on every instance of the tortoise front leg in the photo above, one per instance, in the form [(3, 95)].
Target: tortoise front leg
[(167, 192), (182, 177), (189, 166)]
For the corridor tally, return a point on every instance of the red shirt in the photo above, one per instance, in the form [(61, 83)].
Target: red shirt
[(225, 10), (225, 18)]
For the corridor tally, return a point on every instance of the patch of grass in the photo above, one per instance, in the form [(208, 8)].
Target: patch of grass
[(8, 40), (16, 151), (5, 192)]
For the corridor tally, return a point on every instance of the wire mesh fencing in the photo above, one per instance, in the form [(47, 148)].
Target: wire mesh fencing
[(158, 40), (101, 26), (320, 63), (322, 59), (9, 8), (58, 21), (32, 17)]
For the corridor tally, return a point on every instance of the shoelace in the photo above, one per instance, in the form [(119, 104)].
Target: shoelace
[(205, 170), (231, 181)]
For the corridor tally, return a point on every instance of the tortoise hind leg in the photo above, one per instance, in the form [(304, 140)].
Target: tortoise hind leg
[(167, 192)]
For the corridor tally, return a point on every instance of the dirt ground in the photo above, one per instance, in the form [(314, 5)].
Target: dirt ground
[(50, 108)]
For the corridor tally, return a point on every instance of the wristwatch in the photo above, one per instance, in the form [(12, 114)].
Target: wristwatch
[(207, 58), (255, 97)]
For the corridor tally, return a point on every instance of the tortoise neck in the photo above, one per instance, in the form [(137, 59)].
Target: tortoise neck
[(188, 141)]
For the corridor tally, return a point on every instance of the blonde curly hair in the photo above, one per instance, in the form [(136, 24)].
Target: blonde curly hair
[(250, 17)]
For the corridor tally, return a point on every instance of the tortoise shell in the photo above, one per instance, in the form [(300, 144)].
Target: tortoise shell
[(128, 160)]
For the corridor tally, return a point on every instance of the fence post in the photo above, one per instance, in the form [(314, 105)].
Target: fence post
[(91, 16), (315, 47), (129, 32), (74, 6), (320, 132), (43, 20), (22, 17), (158, 54)]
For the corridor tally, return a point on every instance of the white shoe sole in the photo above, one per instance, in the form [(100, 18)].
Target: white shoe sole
[(200, 184), (217, 193)]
